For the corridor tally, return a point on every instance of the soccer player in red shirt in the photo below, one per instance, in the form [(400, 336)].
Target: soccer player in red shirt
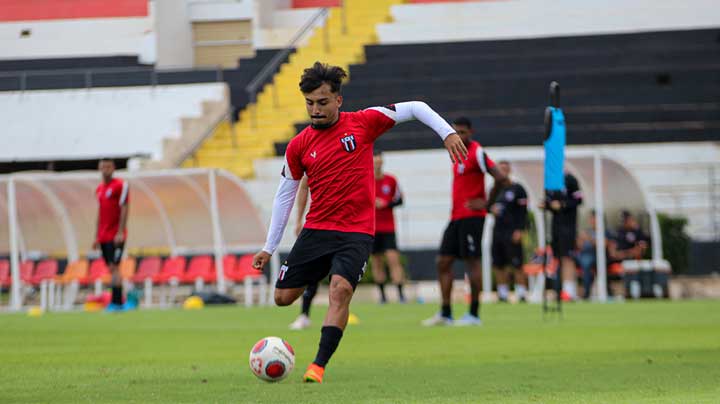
[(387, 197), (113, 197), (335, 152), (463, 236)]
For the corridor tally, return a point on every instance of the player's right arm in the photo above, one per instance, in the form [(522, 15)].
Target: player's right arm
[(417, 110), (302, 198), (283, 203), (96, 243)]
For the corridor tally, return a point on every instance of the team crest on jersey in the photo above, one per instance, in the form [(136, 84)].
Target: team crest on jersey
[(386, 189), (348, 142), (460, 168), (108, 193)]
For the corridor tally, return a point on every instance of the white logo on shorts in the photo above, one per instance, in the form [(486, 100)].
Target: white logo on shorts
[(471, 243), (283, 270)]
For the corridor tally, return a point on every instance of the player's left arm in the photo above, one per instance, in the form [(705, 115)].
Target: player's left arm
[(574, 196), (397, 198), (418, 110), (124, 204), (521, 200), (521, 211), (501, 181)]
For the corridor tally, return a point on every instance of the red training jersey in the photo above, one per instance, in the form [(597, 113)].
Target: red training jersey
[(338, 162), (469, 182), (386, 188), (111, 197)]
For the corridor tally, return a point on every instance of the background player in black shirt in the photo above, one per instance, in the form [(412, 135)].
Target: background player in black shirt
[(631, 241), (510, 210), (564, 232)]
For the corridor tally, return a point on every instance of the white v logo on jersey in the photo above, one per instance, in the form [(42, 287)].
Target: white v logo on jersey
[(313, 154)]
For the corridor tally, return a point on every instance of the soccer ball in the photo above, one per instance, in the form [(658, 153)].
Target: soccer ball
[(272, 359)]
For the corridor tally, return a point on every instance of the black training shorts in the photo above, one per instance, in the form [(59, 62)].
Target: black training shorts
[(317, 253), (505, 252), (463, 238), (384, 242), (563, 241), (112, 253)]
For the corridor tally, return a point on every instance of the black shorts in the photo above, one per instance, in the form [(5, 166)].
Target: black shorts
[(463, 238), (384, 242), (505, 252), (112, 253), (317, 253), (563, 241)]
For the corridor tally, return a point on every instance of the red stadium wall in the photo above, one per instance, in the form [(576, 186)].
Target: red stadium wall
[(28, 10), (315, 3)]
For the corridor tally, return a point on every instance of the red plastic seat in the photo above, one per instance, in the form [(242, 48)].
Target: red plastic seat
[(229, 266), (5, 278), (45, 270), (173, 267), (98, 270), (149, 268), (245, 269), (616, 269), (200, 266), (26, 271)]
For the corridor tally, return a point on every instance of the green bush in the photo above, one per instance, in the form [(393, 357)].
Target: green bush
[(675, 241)]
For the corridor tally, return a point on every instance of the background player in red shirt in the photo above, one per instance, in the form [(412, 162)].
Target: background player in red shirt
[(113, 197), (387, 197), (335, 152), (463, 236)]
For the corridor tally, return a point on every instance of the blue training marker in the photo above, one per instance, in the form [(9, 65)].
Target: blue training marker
[(555, 152)]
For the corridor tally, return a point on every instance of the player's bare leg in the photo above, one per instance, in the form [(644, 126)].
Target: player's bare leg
[(474, 270), (116, 288), (341, 292), (286, 297), (569, 277), (445, 278), (379, 276), (521, 284), (397, 272), (502, 278)]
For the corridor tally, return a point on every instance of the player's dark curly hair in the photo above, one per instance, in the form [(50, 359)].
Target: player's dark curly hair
[(463, 121), (313, 77)]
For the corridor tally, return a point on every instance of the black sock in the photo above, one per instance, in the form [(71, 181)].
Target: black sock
[(116, 295), (381, 287), (401, 296), (308, 296), (475, 307), (329, 339), (445, 311)]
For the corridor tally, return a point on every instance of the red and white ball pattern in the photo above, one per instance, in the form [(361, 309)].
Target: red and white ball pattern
[(272, 359)]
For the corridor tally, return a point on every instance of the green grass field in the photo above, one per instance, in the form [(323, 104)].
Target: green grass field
[(615, 353)]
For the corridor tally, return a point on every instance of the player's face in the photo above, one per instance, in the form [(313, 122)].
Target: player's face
[(464, 132), (378, 163), (504, 169), (107, 168), (323, 105)]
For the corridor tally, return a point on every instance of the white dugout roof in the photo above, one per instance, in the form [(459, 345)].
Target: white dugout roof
[(186, 211), (607, 186)]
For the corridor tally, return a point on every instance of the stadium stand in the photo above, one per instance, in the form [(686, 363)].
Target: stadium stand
[(130, 121), (624, 88), (279, 105)]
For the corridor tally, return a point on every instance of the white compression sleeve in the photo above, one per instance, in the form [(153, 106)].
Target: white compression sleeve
[(407, 111), (282, 206)]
